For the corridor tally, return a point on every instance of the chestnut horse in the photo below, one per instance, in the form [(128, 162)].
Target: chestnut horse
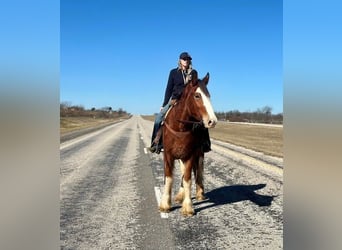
[(182, 142)]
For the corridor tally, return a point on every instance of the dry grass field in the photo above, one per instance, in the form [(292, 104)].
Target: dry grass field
[(70, 124), (266, 139)]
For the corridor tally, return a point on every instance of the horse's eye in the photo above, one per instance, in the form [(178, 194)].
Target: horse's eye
[(197, 95)]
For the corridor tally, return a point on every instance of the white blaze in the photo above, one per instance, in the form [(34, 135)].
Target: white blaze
[(208, 106)]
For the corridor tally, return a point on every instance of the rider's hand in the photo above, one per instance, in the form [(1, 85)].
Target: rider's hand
[(173, 102)]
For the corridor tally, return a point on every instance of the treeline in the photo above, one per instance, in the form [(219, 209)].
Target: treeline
[(263, 115), (68, 110)]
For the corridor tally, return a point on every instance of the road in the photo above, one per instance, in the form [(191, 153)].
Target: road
[(110, 185)]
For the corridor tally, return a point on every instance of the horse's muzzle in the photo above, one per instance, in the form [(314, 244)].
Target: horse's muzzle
[(210, 123)]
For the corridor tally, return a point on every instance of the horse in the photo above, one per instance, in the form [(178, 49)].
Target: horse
[(181, 141)]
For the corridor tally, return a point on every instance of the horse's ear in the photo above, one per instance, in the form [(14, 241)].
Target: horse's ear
[(194, 77), (206, 79)]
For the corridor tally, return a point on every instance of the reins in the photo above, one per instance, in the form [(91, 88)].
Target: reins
[(182, 133), (190, 122), (177, 133)]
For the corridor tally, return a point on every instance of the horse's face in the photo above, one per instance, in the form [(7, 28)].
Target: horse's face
[(200, 101)]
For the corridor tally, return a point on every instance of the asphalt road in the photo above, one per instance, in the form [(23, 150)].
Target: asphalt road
[(110, 185)]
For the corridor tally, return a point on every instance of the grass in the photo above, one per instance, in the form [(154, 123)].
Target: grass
[(268, 140), (70, 124)]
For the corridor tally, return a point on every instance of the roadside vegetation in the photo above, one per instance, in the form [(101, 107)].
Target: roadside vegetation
[(76, 117), (265, 139), (261, 115)]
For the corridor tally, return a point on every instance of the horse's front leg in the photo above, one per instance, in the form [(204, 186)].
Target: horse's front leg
[(180, 195), (187, 209), (165, 203)]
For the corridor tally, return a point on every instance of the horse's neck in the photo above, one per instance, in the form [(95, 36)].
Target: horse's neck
[(179, 113)]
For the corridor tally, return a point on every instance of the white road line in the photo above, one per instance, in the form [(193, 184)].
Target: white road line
[(145, 151), (158, 197)]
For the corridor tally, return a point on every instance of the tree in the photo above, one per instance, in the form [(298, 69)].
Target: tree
[(267, 110)]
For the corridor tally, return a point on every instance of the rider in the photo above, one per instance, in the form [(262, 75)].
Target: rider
[(178, 77)]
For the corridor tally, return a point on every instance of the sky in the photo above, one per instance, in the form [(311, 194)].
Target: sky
[(119, 53)]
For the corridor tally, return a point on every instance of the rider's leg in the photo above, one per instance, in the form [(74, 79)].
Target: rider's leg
[(206, 144), (157, 131)]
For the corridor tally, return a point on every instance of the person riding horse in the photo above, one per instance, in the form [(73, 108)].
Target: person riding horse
[(177, 80), (183, 142)]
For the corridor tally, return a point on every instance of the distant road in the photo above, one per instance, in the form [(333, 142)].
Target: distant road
[(110, 184)]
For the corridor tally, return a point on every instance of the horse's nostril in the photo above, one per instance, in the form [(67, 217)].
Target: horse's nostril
[(211, 123)]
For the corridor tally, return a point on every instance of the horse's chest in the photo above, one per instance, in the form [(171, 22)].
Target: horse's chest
[(182, 149)]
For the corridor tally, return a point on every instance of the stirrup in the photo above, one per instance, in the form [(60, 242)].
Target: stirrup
[(152, 149), (159, 148), (155, 148)]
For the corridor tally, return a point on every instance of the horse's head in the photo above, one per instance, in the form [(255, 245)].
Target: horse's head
[(198, 101)]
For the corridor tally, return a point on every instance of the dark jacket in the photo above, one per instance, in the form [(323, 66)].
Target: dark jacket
[(175, 85)]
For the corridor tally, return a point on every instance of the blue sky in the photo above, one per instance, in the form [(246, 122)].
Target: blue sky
[(119, 53)]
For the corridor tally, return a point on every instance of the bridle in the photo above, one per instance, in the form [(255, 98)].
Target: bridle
[(183, 133)]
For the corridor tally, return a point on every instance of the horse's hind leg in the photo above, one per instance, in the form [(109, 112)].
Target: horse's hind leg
[(198, 172), (180, 195), (165, 203)]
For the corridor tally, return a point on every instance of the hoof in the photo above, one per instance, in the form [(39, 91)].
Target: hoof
[(164, 209), (201, 197), (187, 212), (179, 199)]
